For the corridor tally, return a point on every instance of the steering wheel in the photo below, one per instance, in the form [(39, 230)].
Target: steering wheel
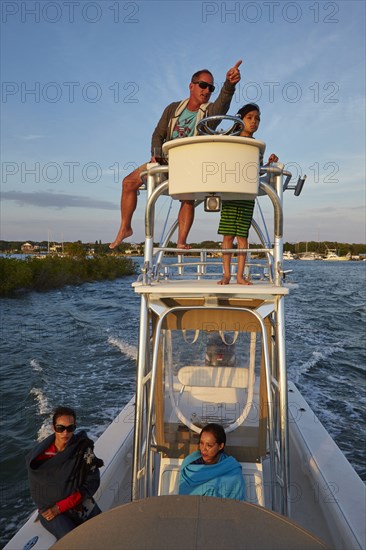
[(204, 130)]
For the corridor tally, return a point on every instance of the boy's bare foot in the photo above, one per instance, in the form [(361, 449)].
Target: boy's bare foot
[(184, 246), (242, 281), (121, 236), (224, 281)]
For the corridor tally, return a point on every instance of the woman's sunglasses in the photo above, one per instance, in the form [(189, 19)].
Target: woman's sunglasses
[(205, 85), (60, 428)]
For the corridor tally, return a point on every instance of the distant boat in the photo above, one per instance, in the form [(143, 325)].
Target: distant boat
[(333, 256), (310, 256), (289, 256)]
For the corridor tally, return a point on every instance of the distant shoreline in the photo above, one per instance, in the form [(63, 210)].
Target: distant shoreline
[(137, 249), (19, 276)]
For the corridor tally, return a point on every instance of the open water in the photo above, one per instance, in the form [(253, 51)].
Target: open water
[(77, 346)]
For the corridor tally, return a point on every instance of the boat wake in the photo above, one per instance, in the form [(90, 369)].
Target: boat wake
[(43, 409), (127, 349), (315, 358), (36, 366)]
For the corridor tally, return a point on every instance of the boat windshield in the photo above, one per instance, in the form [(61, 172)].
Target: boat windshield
[(207, 376)]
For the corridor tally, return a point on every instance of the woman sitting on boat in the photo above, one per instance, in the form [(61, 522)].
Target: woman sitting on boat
[(209, 471), (63, 474)]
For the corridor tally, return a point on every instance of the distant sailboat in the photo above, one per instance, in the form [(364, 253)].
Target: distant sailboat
[(310, 255)]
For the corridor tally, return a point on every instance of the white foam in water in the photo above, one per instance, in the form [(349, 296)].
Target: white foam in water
[(42, 401), (315, 357), (44, 431), (305, 367), (124, 347), (44, 408), (36, 366)]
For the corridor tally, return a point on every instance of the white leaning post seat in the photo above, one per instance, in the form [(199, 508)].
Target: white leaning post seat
[(202, 376), (221, 165)]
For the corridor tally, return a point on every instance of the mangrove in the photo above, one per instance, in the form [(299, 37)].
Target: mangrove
[(51, 272)]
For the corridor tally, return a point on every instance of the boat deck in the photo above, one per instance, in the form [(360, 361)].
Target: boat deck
[(205, 287)]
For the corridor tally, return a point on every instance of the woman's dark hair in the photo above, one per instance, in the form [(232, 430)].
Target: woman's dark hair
[(62, 411), (217, 431)]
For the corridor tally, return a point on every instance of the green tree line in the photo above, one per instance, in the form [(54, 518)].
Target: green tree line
[(52, 272)]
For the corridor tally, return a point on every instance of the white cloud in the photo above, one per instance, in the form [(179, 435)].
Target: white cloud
[(46, 199)]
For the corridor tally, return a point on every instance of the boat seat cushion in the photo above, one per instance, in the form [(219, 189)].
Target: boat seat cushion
[(207, 376)]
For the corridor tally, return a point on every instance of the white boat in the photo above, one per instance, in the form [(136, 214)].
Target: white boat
[(211, 352), (310, 256), (332, 256), (289, 255)]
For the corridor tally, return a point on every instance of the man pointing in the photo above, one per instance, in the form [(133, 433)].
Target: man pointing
[(178, 120)]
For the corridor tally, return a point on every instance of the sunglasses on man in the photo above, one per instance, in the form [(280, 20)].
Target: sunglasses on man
[(60, 428), (205, 85)]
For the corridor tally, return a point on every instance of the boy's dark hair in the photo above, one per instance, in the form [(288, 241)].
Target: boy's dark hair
[(62, 411), (217, 431), (197, 74)]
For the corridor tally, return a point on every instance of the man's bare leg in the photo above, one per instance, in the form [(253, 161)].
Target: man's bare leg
[(242, 243), (227, 242), (130, 185), (185, 220)]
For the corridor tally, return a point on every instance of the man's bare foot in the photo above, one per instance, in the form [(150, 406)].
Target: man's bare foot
[(183, 246), (242, 281), (224, 281), (121, 236)]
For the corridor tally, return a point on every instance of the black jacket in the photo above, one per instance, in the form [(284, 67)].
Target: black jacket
[(76, 468)]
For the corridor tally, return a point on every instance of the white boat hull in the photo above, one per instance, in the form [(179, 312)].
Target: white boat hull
[(290, 463), (327, 496)]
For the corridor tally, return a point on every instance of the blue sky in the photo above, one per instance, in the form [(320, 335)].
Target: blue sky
[(84, 84)]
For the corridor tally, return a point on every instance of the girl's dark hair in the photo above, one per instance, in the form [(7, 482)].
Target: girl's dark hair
[(217, 431), (244, 111), (247, 109), (62, 411)]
